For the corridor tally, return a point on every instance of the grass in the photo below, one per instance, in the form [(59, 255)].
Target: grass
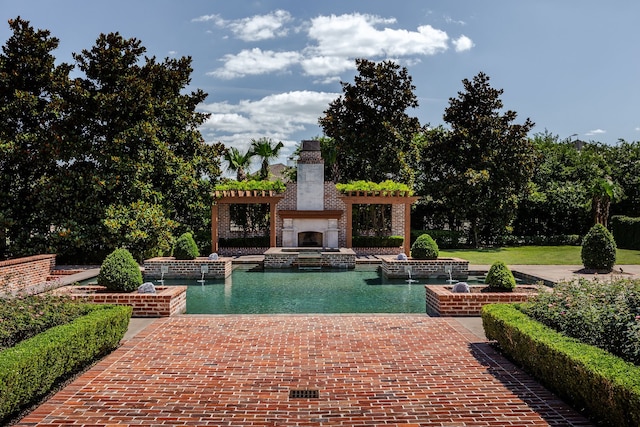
[(534, 255)]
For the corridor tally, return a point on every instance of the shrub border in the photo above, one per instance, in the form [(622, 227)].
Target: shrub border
[(605, 386), (30, 369)]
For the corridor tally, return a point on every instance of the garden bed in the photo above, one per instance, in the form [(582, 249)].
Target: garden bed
[(442, 302), (167, 301), (606, 386)]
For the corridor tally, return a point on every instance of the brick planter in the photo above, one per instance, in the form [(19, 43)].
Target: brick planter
[(425, 268), (167, 301), (187, 269), (442, 302)]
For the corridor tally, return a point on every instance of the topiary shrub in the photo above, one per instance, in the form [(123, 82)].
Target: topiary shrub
[(185, 247), (120, 272), (598, 249), (500, 278), (424, 248)]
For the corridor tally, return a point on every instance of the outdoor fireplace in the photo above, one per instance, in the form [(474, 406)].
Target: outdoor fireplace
[(307, 239)]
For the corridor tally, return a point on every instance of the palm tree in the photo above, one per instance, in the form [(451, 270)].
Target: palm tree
[(238, 162), (603, 192), (266, 150)]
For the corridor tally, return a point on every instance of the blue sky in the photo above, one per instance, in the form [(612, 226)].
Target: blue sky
[(271, 67)]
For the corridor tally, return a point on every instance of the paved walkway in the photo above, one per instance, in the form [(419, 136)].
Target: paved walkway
[(368, 370)]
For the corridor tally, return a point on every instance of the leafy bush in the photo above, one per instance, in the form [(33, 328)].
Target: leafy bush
[(258, 185), (424, 248), (377, 241), (56, 354), (186, 247), (245, 242), (385, 188), (553, 240), (500, 277), (27, 316), (598, 249), (583, 375), (603, 314), (120, 272), (626, 231)]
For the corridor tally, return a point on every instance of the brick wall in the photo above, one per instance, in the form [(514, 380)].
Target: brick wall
[(22, 273), (431, 269), (442, 302), (187, 269), (167, 301)]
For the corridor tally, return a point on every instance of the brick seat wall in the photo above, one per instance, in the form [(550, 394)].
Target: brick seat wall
[(22, 273)]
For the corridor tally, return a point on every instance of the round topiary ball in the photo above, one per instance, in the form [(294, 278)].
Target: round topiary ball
[(425, 248), (185, 247), (500, 277), (120, 272), (599, 249)]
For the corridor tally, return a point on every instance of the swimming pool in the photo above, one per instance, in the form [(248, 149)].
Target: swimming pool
[(256, 291)]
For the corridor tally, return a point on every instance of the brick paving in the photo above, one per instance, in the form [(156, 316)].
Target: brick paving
[(369, 370)]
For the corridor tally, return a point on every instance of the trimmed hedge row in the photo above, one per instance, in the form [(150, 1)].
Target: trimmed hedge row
[(585, 376), (245, 242), (626, 231), (377, 241), (30, 369)]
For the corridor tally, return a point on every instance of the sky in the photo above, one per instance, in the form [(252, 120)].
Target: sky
[(271, 67)]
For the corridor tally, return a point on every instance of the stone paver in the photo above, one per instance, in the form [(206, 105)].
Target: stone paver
[(393, 370)]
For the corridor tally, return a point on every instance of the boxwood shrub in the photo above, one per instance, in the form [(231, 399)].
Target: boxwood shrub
[(606, 386), (425, 248), (119, 272), (185, 247), (31, 368), (500, 277), (598, 249)]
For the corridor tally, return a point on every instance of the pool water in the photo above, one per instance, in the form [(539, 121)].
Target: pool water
[(257, 291)]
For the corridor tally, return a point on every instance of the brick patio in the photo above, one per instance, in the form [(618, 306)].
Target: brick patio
[(397, 370)]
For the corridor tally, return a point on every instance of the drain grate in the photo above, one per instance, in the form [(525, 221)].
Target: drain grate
[(304, 394)]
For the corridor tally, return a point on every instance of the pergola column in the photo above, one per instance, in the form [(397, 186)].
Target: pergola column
[(272, 224), (349, 228), (214, 228), (407, 228)]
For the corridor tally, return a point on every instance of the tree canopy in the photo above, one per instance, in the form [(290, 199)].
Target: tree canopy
[(481, 166), (370, 126), (123, 138)]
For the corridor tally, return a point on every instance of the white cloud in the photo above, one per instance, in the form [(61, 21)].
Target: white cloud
[(450, 20), (277, 116), (254, 28), (261, 27), (326, 65), (356, 35), (463, 43), (595, 132), (638, 129), (255, 61)]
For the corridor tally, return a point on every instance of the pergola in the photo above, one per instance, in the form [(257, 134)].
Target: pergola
[(245, 197), (379, 198), (348, 198)]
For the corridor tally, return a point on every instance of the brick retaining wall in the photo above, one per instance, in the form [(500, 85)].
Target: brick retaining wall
[(22, 273), (429, 269), (187, 269), (167, 301), (442, 302)]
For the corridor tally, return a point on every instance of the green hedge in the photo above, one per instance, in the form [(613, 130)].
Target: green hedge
[(446, 239), (30, 369), (377, 241), (626, 231), (245, 242), (585, 376)]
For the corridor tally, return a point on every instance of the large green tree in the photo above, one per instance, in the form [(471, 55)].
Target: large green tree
[(370, 126), (124, 136), (31, 110), (481, 166)]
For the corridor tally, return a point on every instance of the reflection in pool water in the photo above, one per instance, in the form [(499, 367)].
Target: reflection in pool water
[(252, 290)]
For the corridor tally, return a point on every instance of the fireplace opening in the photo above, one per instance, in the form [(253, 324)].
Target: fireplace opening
[(310, 239)]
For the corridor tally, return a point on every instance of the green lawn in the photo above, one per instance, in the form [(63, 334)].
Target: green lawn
[(534, 255)]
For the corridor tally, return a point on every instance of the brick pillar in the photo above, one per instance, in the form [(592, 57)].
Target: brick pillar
[(272, 224)]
